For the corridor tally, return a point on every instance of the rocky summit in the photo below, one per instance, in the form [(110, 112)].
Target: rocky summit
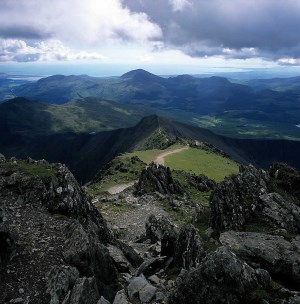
[(157, 241)]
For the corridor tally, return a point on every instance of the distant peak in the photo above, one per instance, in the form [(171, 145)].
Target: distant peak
[(140, 75)]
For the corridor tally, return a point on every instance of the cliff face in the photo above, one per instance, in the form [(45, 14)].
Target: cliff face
[(59, 252)]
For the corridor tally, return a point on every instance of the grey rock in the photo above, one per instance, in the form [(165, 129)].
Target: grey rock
[(280, 212), (60, 279), (84, 291), (17, 301), (221, 278), (140, 288), (271, 252), (151, 266), (119, 259), (154, 279), (6, 240), (121, 298), (235, 200), (161, 229), (157, 179), (84, 251), (160, 297), (189, 248), (103, 301), (2, 158)]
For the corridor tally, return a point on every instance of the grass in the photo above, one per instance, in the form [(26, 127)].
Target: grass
[(199, 161), (149, 156)]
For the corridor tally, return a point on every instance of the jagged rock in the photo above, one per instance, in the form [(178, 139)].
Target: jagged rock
[(286, 178), (234, 201), (85, 251), (151, 266), (200, 182), (103, 301), (140, 288), (2, 158), (60, 280), (271, 252), (6, 241), (84, 292), (280, 212), (131, 255), (119, 259), (161, 229), (121, 298), (157, 179), (189, 248), (221, 278)]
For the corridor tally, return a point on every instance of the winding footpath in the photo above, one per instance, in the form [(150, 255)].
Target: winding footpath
[(160, 159)]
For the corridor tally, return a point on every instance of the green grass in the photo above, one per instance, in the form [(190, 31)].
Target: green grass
[(36, 170), (149, 156), (199, 161)]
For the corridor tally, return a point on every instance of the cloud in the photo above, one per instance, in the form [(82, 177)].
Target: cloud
[(265, 29), (75, 21), (20, 51)]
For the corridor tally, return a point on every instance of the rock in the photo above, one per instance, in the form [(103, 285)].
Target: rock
[(17, 301), (160, 297), (157, 179), (121, 298), (140, 288), (84, 291), (2, 158), (21, 290), (189, 248), (235, 200), (60, 280), (154, 279), (221, 278), (280, 212), (84, 251), (6, 241), (271, 252), (161, 229), (151, 266), (103, 301), (119, 259)]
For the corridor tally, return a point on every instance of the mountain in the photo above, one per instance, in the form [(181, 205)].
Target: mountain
[(86, 153)]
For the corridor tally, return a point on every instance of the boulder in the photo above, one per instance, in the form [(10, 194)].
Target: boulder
[(60, 280), (221, 278), (121, 298), (6, 241), (84, 251), (103, 301), (140, 288), (157, 179), (189, 248), (2, 158), (271, 252), (235, 200), (161, 229), (84, 292), (280, 212)]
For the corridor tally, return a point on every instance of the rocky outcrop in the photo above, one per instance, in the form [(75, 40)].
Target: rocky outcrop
[(6, 241), (2, 158), (235, 200), (221, 278), (161, 229), (157, 179), (200, 182), (139, 288), (280, 212), (189, 248), (271, 252)]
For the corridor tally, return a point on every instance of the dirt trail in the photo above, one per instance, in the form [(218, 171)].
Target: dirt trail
[(160, 159), (119, 188)]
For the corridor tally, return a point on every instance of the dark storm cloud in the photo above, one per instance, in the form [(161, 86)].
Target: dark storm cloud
[(233, 29)]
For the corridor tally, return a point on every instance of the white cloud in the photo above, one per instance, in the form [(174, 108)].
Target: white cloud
[(19, 50), (179, 5)]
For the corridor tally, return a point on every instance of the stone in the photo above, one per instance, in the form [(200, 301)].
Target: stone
[(271, 252), (121, 297), (221, 278), (119, 259), (189, 248), (2, 158), (84, 291), (234, 201), (151, 266), (161, 229), (140, 288), (157, 179), (60, 279), (103, 301), (154, 279), (17, 301)]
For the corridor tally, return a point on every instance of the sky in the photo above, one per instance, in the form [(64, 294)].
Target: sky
[(170, 36)]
